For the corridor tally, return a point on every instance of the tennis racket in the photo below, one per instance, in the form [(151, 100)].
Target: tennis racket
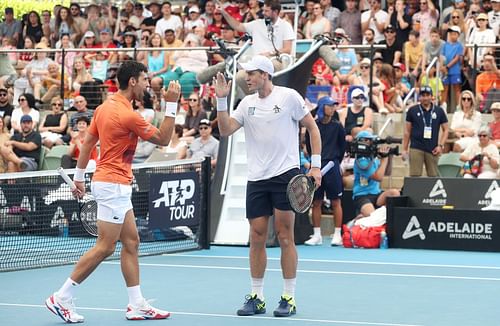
[(300, 190), (87, 207)]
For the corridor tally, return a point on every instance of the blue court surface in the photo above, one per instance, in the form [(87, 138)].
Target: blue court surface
[(335, 286)]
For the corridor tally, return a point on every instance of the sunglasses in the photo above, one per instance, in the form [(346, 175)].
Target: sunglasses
[(21, 100), (360, 97), (365, 67), (481, 20), (3, 94), (193, 100), (57, 104), (467, 99), (455, 17), (124, 20), (203, 128), (423, 3), (390, 31), (483, 135)]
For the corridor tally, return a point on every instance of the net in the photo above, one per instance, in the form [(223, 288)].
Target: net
[(39, 225)]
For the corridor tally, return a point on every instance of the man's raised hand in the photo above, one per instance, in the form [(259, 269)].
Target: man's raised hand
[(222, 87)]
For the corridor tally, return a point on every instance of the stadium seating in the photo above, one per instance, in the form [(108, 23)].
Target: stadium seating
[(449, 165), (53, 157)]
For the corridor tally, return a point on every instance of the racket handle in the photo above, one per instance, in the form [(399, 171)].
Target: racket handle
[(66, 178), (327, 167)]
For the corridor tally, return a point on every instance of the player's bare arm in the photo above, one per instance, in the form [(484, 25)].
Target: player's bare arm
[(83, 159), (164, 133), (315, 137), (227, 125)]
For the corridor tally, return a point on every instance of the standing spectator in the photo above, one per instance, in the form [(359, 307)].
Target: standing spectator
[(357, 117), (494, 16), (168, 21), (485, 152), (22, 152), (53, 126), (432, 48), (350, 22), (26, 107), (5, 107), (486, 81), (10, 27), (208, 15), (394, 48), (205, 145), (426, 131), (425, 19), (317, 24), (376, 19), (46, 26), (149, 23), (69, 56), (400, 21), (331, 13), (66, 25), (482, 34), (453, 52), (76, 12), (34, 27), (413, 51), (466, 122), (369, 36), (495, 124), (456, 19)]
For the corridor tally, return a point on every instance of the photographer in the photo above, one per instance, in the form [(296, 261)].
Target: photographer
[(368, 173)]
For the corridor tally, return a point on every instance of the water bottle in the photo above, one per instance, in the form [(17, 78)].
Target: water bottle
[(384, 241), (63, 228)]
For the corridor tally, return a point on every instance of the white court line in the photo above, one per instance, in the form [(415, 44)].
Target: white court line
[(292, 319), (348, 262), (449, 277)]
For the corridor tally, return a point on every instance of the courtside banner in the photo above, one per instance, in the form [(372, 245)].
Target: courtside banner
[(445, 229), (174, 200)]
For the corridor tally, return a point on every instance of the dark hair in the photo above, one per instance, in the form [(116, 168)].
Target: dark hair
[(30, 99), (415, 33), (129, 69), (166, 3), (435, 30), (83, 118), (274, 4), (178, 130)]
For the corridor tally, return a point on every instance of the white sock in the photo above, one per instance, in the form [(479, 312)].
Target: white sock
[(67, 291), (135, 297), (258, 287), (289, 286), (337, 231), (317, 232)]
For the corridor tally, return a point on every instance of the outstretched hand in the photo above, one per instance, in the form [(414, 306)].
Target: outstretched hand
[(222, 87), (173, 92)]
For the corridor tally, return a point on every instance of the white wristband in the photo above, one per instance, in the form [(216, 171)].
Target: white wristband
[(171, 109), (316, 161), (222, 104), (79, 175)]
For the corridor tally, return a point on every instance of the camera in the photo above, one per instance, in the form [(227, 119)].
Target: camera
[(368, 147)]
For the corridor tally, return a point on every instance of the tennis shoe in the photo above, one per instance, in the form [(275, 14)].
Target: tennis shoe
[(252, 306), (64, 309), (286, 307), (337, 239), (145, 312), (314, 241)]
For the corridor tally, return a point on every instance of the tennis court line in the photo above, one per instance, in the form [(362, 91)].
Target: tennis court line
[(305, 271), (347, 262), (201, 314)]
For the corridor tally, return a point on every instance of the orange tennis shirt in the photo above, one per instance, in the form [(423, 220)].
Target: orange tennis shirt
[(118, 127)]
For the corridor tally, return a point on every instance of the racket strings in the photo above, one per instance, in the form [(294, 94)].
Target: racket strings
[(300, 193)]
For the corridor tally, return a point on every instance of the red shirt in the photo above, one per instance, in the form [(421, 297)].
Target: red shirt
[(495, 129)]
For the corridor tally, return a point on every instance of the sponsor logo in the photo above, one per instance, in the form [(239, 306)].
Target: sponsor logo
[(454, 230), (177, 196), (276, 109), (413, 229), (487, 196), (251, 110), (437, 195)]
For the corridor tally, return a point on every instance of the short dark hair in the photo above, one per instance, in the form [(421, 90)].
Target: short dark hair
[(415, 33), (129, 69), (435, 30), (178, 130), (274, 4), (83, 118)]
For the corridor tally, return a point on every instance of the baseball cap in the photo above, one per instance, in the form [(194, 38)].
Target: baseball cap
[(357, 92), (26, 118), (400, 66), (325, 100), (205, 122), (455, 29), (194, 9), (9, 10), (495, 106), (259, 62), (106, 30), (495, 0), (482, 16), (389, 28), (365, 61), (88, 34), (365, 134), (378, 56), (425, 90), (340, 31), (156, 3)]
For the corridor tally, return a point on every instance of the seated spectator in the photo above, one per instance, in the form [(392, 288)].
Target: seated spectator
[(23, 58), (495, 124), (432, 47), (53, 126), (345, 75), (357, 117), (5, 107), (69, 56), (194, 20), (9, 44), (466, 122), (394, 48), (33, 27), (98, 65), (107, 43), (22, 151), (68, 161), (364, 80), (194, 115), (402, 84), (51, 84), (487, 81), (4, 137), (413, 51), (317, 24), (80, 74), (65, 24), (157, 63), (130, 43), (123, 23), (321, 73), (176, 145), (216, 25), (26, 107), (82, 110), (389, 91), (205, 145), (453, 51), (144, 108), (482, 157), (88, 42), (144, 148)]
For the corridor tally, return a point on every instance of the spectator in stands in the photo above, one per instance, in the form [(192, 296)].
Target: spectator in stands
[(144, 43), (457, 19), (23, 58), (331, 13), (172, 41), (321, 73), (364, 80), (369, 36), (413, 52), (317, 23), (482, 34), (149, 23), (453, 52), (205, 145), (69, 56), (244, 10), (378, 61), (129, 42), (144, 148), (82, 111), (79, 74), (217, 23), (88, 42), (426, 131), (350, 22), (137, 16), (470, 20), (6, 107), (51, 84), (394, 48), (495, 124), (157, 63), (485, 152), (357, 117), (376, 19), (447, 14), (168, 21), (176, 145), (96, 21), (4, 137), (400, 20), (76, 12), (68, 161), (46, 28), (368, 174), (10, 27), (34, 27), (255, 7), (487, 82), (402, 84), (22, 151), (466, 122), (389, 91), (53, 126), (26, 107), (66, 25), (425, 19), (123, 23), (194, 20), (107, 43), (432, 48), (494, 16), (346, 74), (208, 14), (194, 115)]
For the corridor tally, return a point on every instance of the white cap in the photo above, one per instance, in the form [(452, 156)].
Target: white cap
[(357, 92), (340, 31), (88, 34), (194, 9), (259, 62), (454, 28)]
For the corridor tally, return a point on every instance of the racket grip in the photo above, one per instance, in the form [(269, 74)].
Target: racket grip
[(66, 178), (327, 167)]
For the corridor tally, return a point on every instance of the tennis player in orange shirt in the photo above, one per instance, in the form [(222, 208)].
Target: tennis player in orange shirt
[(117, 127)]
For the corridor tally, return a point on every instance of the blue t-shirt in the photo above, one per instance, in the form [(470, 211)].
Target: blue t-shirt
[(347, 60), (363, 184), (433, 117), (450, 50)]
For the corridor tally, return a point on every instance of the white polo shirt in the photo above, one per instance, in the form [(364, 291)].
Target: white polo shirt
[(282, 31)]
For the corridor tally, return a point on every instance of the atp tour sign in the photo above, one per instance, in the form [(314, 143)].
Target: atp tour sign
[(174, 200), (445, 229)]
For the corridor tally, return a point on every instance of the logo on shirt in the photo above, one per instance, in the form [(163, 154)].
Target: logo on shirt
[(276, 109), (251, 110)]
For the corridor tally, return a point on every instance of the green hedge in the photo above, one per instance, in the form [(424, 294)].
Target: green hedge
[(23, 7)]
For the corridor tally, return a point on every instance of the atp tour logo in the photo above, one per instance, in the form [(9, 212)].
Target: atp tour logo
[(175, 199), (437, 190), (487, 196), (413, 229)]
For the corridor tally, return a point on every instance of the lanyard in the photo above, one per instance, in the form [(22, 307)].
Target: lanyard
[(423, 117)]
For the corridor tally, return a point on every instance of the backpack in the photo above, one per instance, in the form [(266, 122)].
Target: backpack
[(358, 236)]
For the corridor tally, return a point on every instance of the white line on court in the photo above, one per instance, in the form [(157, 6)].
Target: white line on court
[(348, 262), (449, 277), (293, 319)]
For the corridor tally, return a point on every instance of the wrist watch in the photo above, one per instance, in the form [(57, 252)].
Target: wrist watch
[(441, 145)]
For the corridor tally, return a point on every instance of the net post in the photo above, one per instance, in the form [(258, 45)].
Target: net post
[(206, 173)]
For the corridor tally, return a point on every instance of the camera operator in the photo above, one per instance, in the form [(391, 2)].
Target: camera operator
[(368, 173), (423, 123)]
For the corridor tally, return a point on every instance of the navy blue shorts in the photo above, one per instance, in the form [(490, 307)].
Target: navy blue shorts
[(331, 184), (265, 195), (361, 201), (453, 79)]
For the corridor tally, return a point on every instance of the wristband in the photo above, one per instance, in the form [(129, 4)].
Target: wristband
[(171, 109), (316, 161), (79, 175), (222, 104)]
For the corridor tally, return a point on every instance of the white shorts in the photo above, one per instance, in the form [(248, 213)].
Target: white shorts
[(113, 201)]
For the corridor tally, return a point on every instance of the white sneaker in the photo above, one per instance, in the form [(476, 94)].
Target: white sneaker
[(145, 311), (337, 239), (64, 309), (314, 241)]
